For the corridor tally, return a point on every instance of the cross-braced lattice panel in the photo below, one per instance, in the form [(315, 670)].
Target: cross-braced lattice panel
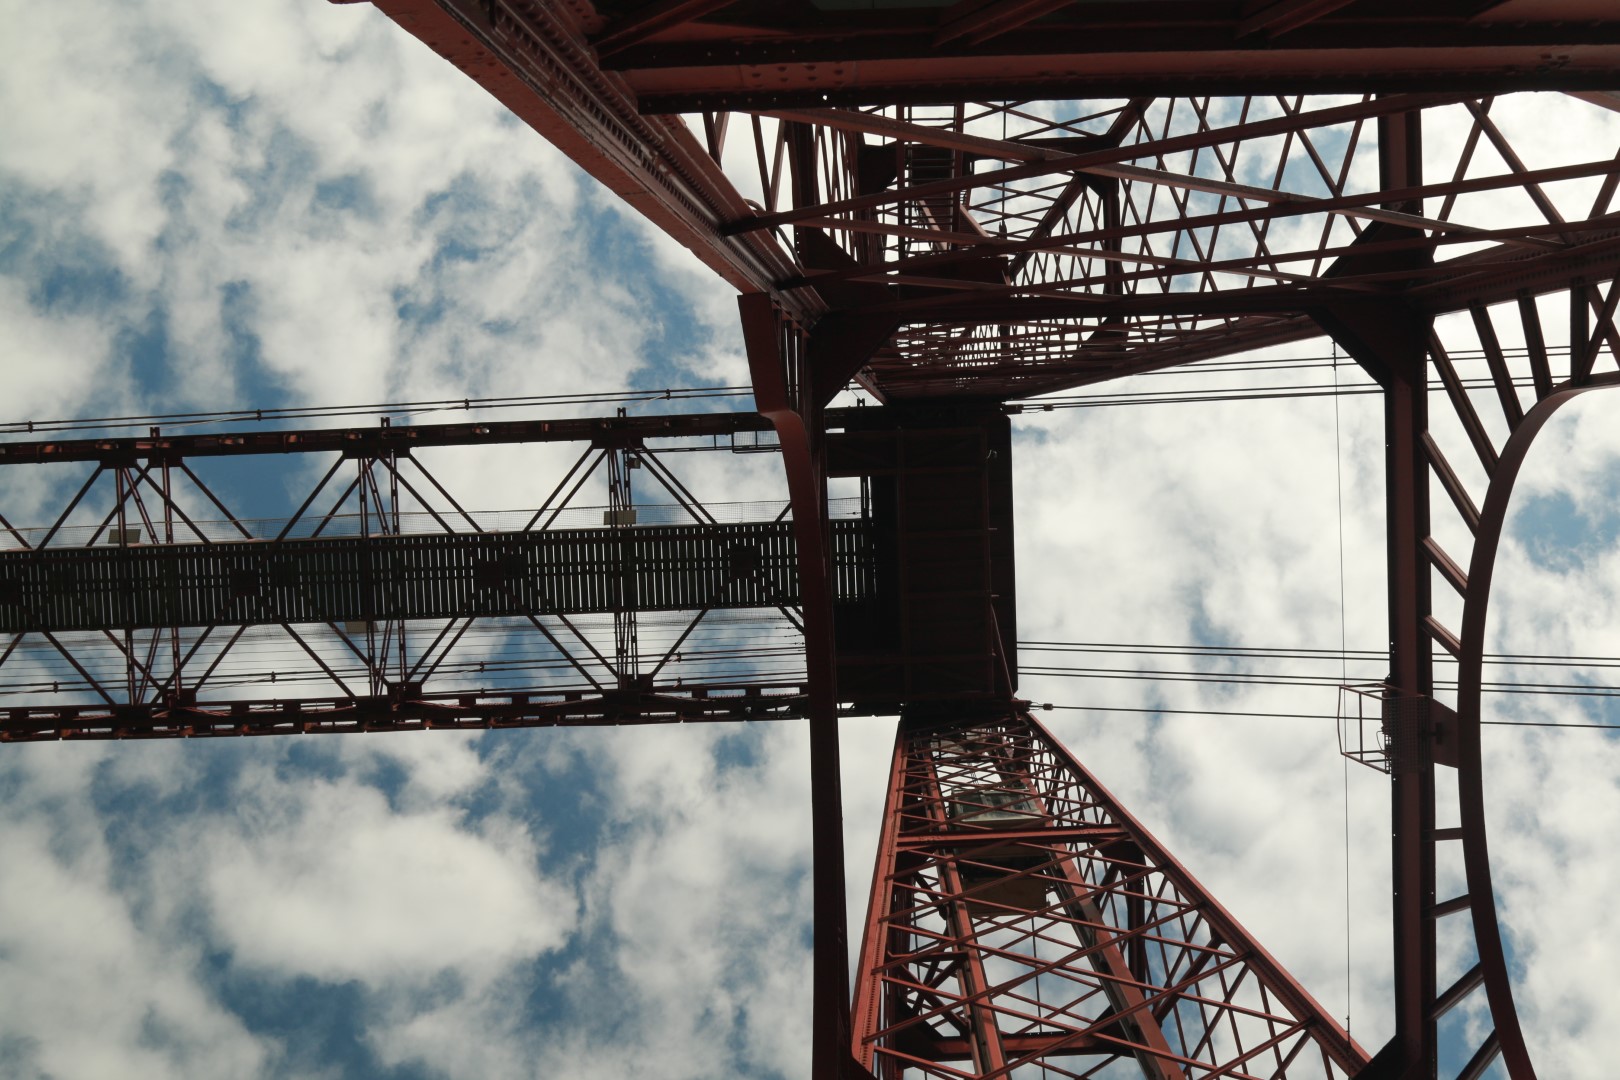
[(1024, 922), (1019, 246)]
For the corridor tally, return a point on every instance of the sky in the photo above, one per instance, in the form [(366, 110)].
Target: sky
[(208, 206)]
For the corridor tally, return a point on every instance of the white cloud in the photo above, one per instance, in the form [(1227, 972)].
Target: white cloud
[(707, 893), (87, 990), (331, 170), (325, 168), (323, 879), (1216, 524)]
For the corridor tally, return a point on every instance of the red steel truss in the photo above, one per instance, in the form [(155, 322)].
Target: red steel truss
[(398, 606), (989, 200), (1471, 443), (972, 234), (1021, 918)]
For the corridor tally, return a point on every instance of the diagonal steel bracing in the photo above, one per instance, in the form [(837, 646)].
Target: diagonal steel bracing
[(979, 201), (1021, 918), (383, 601)]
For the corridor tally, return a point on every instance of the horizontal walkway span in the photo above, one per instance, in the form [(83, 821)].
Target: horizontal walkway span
[(424, 576)]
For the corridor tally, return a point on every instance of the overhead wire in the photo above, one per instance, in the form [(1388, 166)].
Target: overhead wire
[(428, 406), (1220, 366), (392, 408), (1283, 679), (498, 652), (489, 652), (1258, 393), (1332, 388), (1343, 656), (1344, 673), (1275, 652), (1303, 716)]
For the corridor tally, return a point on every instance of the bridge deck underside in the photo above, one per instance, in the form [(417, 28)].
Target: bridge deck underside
[(436, 576)]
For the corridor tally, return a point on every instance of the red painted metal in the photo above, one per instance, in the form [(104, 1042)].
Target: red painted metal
[(536, 60), (1493, 970), (374, 584), (1392, 345), (916, 54), (376, 441), (774, 345), (404, 708), (891, 194), (1014, 253), (1412, 815), (1021, 918), (1420, 733)]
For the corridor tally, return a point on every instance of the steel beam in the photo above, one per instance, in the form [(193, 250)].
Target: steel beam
[(377, 441), (1392, 345), (404, 708), (536, 60), (785, 395), (1110, 50)]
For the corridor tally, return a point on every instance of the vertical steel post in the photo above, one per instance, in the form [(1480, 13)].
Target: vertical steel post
[(621, 514), (1411, 676), (1391, 342), (1411, 673), (774, 347)]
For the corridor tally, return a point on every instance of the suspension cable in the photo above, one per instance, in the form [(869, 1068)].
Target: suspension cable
[(1305, 716), (394, 408), (1344, 676)]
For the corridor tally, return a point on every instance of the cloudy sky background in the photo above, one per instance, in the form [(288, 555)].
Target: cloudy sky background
[(206, 205)]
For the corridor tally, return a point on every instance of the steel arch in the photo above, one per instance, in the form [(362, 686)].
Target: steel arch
[(1470, 771)]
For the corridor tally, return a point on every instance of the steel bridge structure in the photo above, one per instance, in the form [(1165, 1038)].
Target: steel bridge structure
[(958, 206)]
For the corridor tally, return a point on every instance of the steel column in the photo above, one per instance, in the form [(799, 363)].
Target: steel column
[(775, 359)]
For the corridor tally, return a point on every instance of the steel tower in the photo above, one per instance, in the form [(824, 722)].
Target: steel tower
[(958, 206)]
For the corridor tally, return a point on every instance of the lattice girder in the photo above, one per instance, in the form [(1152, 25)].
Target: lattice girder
[(1465, 399), (1020, 917), (1099, 215), (151, 609)]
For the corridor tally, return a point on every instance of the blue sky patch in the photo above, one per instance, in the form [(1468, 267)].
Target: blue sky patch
[(67, 271), (288, 162), (351, 194), (318, 1027), (1561, 536)]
